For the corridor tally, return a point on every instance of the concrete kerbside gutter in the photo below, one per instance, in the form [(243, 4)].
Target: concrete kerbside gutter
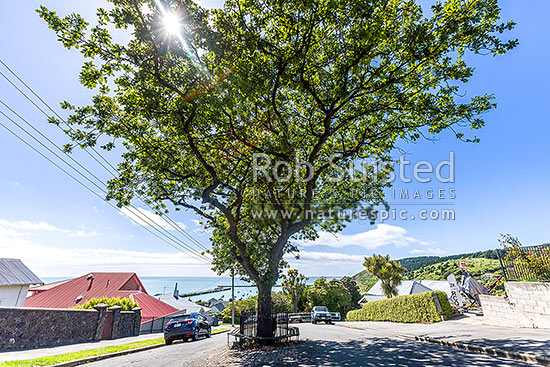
[(100, 357), (526, 357)]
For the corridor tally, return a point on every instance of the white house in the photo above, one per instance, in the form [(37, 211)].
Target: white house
[(407, 287), (180, 303), (15, 279)]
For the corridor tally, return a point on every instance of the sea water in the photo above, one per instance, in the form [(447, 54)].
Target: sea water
[(166, 285)]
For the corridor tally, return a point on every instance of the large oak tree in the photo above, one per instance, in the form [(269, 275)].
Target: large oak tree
[(318, 82)]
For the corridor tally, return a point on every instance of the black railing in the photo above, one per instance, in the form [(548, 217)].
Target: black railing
[(526, 263), (248, 326), (151, 325)]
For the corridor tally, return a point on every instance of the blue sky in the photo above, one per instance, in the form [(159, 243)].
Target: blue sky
[(60, 229)]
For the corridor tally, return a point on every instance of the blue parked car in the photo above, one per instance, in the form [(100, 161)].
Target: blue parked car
[(187, 326)]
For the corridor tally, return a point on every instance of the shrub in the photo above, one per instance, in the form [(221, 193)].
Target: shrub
[(332, 294), (411, 308), (126, 303)]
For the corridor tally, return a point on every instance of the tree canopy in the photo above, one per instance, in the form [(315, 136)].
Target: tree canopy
[(332, 294), (315, 85)]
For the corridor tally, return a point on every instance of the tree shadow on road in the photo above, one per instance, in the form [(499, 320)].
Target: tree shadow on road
[(392, 352), (539, 347), (371, 352)]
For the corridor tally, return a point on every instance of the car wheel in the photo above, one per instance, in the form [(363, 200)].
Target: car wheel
[(209, 333), (196, 334), (168, 342), (313, 322)]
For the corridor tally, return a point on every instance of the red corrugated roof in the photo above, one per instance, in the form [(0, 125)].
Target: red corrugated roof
[(109, 285), (151, 307), (101, 285)]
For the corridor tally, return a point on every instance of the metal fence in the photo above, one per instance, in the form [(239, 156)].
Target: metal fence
[(306, 316), (515, 263), (150, 325), (249, 325)]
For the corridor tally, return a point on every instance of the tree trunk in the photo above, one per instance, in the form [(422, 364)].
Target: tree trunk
[(265, 324)]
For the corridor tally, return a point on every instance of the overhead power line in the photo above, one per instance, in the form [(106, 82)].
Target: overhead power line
[(99, 186), (79, 181), (107, 164)]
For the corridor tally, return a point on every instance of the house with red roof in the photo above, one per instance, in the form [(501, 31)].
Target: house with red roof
[(77, 291)]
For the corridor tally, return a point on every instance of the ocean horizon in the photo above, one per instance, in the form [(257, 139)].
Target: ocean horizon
[(156, 285)]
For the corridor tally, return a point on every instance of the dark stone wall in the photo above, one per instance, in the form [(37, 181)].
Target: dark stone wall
[(22, 328), (123, 324), (27, 328)]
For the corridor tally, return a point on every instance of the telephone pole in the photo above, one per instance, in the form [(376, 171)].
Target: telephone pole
[(233, 297)]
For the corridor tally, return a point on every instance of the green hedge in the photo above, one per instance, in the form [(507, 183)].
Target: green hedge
[(126, 303), (411, 308)]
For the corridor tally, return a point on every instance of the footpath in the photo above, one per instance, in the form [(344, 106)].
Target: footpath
[(72, 348), (469, 332), (80, 347)]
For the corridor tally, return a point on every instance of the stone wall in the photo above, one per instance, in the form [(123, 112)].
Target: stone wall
[(124, 322), (22, 328), (25, 328), (528, 305)]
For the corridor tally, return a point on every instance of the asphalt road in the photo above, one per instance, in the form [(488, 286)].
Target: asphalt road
[(179, 354), (321, 345)]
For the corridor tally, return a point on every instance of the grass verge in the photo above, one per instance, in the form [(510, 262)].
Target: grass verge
[(48, 361)]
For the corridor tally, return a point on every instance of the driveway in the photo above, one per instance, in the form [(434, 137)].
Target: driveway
[(320, 345)]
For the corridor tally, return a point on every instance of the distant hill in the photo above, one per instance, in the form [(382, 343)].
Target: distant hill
[(415, 263), (439, 267)]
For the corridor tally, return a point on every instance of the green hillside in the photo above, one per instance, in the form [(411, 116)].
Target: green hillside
[(365, 280), (439, 271), (415, 263), (439, 267)]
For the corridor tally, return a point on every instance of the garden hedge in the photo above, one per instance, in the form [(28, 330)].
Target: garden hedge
[(411, 308), (126, 303)]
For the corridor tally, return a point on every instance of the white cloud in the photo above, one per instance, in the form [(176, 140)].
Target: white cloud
[(200, 229), (57, 261), (148, 218), (382, 235), (30, 226), (428, 251), (329, 257), (14, 184), (82, 233), (16, 227)]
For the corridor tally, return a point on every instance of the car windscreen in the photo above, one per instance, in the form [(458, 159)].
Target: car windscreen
[(322, 309)]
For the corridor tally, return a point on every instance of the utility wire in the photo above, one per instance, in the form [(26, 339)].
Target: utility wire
[(168, 220), (222, 276), (78, 181), (165, 217), (136, 212)]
